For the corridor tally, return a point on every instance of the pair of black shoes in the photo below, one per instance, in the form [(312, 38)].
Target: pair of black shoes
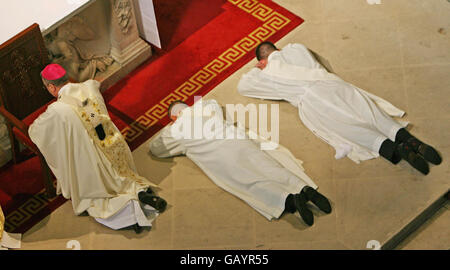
[(150, 198), (418, 154), (309, 194)]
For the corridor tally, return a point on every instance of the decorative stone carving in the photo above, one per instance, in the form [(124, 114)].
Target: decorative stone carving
[(127, 48), (73, 46), (123, 11)]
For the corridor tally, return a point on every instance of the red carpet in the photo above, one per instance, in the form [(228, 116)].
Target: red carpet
[(22, 195), (179, 19), (203, 42)]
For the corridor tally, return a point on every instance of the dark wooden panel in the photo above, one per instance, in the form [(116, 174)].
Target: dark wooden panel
[(21, 60)]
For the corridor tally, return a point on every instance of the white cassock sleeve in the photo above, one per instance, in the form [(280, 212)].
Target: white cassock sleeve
[(94, 87), (164, 145), (298, 55), (255, 86)]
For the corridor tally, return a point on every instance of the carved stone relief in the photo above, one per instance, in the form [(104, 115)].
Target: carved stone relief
[(123, 11), (73, 45)]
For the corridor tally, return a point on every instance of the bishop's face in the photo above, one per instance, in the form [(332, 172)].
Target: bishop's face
[(53, 90)]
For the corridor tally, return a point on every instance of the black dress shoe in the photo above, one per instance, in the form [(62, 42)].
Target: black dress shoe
[(388, 151), (318, 199), (413, 159), (396, 157), (289, 205), (137, 229), (306, 214), (154, 201), (84, 214), (429, 153)]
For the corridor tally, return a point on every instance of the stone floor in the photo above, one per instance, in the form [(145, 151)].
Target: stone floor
[(399, 50)]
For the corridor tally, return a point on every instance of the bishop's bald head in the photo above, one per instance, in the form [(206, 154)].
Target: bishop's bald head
[(264, 50), (54, 78)]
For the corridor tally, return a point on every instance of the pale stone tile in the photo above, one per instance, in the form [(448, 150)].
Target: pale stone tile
[(290, 227), (386, 83), (427, 91), (226, 92), (412, 8), (362, 44), (442, 170), (58, 244), (318, 164), (346, 10), (425, 39), (157, 170), (378, 167), (57, 229), (159, 236), (187, 175), (308, 10), (310, 34), (432, 131), (317, 156), (377, 208), (211, 217), (304, 145)]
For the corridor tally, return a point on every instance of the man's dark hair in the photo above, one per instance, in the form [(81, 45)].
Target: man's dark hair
[(173, 104), (58, 82), (264, 49)]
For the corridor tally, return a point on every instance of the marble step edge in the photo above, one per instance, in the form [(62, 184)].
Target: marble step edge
[(416, 222)]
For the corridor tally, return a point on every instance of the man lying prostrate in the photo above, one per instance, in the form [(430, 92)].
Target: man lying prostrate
[(88, 155), (270, 181), (356, 123)]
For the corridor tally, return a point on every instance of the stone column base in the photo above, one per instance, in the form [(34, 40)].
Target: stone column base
[(125, 62)]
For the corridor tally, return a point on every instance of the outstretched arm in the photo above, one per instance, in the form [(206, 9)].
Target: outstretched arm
[(164, 145), (255, 86)]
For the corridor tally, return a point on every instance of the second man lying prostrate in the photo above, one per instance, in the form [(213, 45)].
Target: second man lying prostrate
[(355, 122), (270, 181)]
